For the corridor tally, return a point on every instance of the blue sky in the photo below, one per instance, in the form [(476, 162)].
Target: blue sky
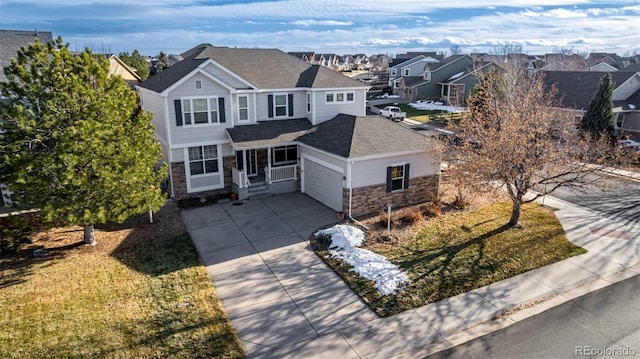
[(327, 26)]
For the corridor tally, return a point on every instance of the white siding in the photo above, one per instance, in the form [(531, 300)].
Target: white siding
[(326, 111), (299, 105), (374, 172), (225, 77), (199, 133), (154, 103), (334, 161), (627, 89)]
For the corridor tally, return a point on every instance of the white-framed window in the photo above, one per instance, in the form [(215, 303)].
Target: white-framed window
[(392, 72), (619, 120), (339, 97), (397, 177), (329, 97), (198, 84), (203, 160), (406, 72), (280, 105), (284, 155), (243, 108), (427, 75), (197, 111), (308, 102)]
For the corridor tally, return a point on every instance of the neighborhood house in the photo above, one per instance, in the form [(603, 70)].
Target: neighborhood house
[(260, 121)]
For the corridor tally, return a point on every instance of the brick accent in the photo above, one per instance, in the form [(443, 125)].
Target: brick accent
[(372, 199), (179, 179)]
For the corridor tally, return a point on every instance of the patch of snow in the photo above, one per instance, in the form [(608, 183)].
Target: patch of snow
[(435, 106), (344, 242), (632, 106), (388, 96), (456, 75)]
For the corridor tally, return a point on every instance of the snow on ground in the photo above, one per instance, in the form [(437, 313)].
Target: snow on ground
[(435, 106), (386, 95), (344, 242)]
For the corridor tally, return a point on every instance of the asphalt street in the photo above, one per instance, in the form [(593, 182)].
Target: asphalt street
[(604, 323), (614, 198)]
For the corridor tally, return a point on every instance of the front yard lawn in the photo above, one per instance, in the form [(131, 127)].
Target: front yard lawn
[(141, 292), (458, 252)]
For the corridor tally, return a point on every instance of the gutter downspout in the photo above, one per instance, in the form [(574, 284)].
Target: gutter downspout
[(349, 183)]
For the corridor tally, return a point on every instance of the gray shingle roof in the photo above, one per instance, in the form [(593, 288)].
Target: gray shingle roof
[(268, 133), (12, 40), (347, 136), (263, 68), (577, 88)]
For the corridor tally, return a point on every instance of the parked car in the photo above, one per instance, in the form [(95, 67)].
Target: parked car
[(393, 113)]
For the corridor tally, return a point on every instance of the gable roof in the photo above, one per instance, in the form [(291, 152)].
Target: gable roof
[(577, 88), (449, 60), (262, 68), (12, 40), (347, 136)]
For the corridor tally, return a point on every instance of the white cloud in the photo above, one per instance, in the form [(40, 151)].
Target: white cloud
[(321, 23)]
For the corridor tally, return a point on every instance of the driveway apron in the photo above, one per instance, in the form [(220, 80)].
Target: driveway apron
[(276, 291)]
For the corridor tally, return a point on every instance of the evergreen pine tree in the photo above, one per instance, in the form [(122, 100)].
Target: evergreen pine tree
[(136, 61), (599, 117), (74, 141)]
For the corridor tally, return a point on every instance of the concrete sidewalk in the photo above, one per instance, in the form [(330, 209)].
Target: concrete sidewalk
[(613, 254)]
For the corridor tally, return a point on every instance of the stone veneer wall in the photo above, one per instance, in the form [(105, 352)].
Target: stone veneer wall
[(373, 199), (179, 178)]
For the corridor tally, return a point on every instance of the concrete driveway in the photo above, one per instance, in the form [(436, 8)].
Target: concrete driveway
[(275, 289)]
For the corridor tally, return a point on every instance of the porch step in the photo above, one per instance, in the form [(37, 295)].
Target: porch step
[(259, 190)]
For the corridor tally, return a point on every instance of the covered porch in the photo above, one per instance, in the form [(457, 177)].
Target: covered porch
[(267, 157)]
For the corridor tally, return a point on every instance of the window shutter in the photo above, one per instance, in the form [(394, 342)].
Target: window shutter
[(270, 104), (389, 170), (178, 106), (221, 109), (290, 103), (406, 176)]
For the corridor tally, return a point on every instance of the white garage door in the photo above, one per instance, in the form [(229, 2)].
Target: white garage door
[(322, 183)]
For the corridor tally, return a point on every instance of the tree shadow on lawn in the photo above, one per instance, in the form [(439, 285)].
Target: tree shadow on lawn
[(439, 261), (157, 248), (154, 248)]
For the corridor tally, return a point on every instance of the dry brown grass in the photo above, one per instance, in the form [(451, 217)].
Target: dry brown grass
[(140, 292)]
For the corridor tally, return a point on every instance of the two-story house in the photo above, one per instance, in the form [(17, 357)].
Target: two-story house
[(440, 81), (255, 121), (414, 66), (577, 88)]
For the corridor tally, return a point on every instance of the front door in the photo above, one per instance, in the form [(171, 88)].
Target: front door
[(252, 161)]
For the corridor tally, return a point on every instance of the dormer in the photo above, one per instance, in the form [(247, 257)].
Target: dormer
[(426, 74)]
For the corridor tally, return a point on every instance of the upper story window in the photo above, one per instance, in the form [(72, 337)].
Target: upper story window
[(243, 108), (198, 84), (199, 111), (339, 97), (392, 72), (406, 72), (280, 105), (309, 103)]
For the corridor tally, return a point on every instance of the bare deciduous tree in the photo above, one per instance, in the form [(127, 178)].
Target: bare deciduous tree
[(516, 135)]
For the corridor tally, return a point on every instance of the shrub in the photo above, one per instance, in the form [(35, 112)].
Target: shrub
[(411, 216)]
